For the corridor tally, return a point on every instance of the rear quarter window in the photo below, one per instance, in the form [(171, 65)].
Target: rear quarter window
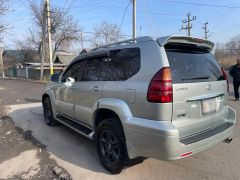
[(123, 64), (191, 64)]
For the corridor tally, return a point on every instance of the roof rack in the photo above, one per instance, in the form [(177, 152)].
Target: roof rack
[(129, 41)]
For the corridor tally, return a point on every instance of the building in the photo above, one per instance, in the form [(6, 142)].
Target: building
[(63, 58), (27, 65)]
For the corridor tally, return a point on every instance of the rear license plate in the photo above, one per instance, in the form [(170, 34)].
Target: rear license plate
[(209, 106)]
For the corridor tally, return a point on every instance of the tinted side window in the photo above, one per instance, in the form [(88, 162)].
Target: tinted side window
[(122, 64), (79, 72), (75, 71), (94, 69), (69, 73)]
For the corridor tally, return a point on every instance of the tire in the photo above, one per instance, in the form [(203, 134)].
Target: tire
[(48, 114), (111, 145)]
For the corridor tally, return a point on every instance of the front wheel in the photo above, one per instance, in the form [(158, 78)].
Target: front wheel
[(48, 114), (111, 145)]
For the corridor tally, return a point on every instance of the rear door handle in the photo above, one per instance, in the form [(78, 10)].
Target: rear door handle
[(95, 89)]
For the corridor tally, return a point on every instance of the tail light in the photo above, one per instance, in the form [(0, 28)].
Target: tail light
[(160, 88), (225, 77)]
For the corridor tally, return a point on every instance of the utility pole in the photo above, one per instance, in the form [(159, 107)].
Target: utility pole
[(134, 18), (49, 36), (1, 59), (140, 31), (206, 31), (81, 40), (188, 26), (43, 54)]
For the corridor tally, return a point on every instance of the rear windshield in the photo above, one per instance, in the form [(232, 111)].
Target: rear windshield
[(189, 64)]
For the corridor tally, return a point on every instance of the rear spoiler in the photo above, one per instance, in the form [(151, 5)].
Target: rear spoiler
[(186, 40)]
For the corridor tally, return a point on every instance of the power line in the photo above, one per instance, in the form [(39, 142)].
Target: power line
[(147, 19), (151, 19), (143, 19), (113, 8), (89, 32), (227, 29), (68, 4), (202, 4), (125, 12)]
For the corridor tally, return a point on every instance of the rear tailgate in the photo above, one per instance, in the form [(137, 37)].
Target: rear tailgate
[(199, 88)]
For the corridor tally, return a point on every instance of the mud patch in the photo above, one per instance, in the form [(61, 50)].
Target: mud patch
[(27, 135)]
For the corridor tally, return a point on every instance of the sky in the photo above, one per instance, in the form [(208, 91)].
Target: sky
[(154, 17)]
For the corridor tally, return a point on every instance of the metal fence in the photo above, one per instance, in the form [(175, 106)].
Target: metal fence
[(29, 73)]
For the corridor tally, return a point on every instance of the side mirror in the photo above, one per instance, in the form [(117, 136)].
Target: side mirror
[(69, 81), (55, 77)]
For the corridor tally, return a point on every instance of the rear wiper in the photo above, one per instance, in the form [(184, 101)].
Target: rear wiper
[(196, 78)]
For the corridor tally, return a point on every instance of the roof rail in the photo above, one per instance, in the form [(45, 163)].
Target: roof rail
[(129, 41)]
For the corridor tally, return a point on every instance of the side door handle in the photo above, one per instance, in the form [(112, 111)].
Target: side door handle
[(95, 89)]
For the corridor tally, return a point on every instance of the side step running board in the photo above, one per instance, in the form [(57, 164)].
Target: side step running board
[(79, 128)]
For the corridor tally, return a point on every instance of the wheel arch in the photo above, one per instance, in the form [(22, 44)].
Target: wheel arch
[(116, 108), (108, 107), (102, 114)]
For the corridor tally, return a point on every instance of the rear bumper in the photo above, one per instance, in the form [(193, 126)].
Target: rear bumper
[(160, 139)]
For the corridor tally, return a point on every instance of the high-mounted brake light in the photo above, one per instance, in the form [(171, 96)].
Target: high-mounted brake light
[(160, 88), (225, 77)]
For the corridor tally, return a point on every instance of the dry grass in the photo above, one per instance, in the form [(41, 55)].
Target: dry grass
[(227, 62)]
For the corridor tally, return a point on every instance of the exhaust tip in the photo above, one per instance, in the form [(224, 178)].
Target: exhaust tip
[(228, 140)]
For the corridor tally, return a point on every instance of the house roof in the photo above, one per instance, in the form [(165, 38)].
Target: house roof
[(64, 59), (22, 56)]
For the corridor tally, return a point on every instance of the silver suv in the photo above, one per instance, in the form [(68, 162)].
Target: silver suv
[(162, 98)]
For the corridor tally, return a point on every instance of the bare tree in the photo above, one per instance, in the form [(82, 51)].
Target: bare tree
[(4, 9), (105, 33), (233, 46), (220, 50), (227, 53), (30, 47), (64, 28)]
